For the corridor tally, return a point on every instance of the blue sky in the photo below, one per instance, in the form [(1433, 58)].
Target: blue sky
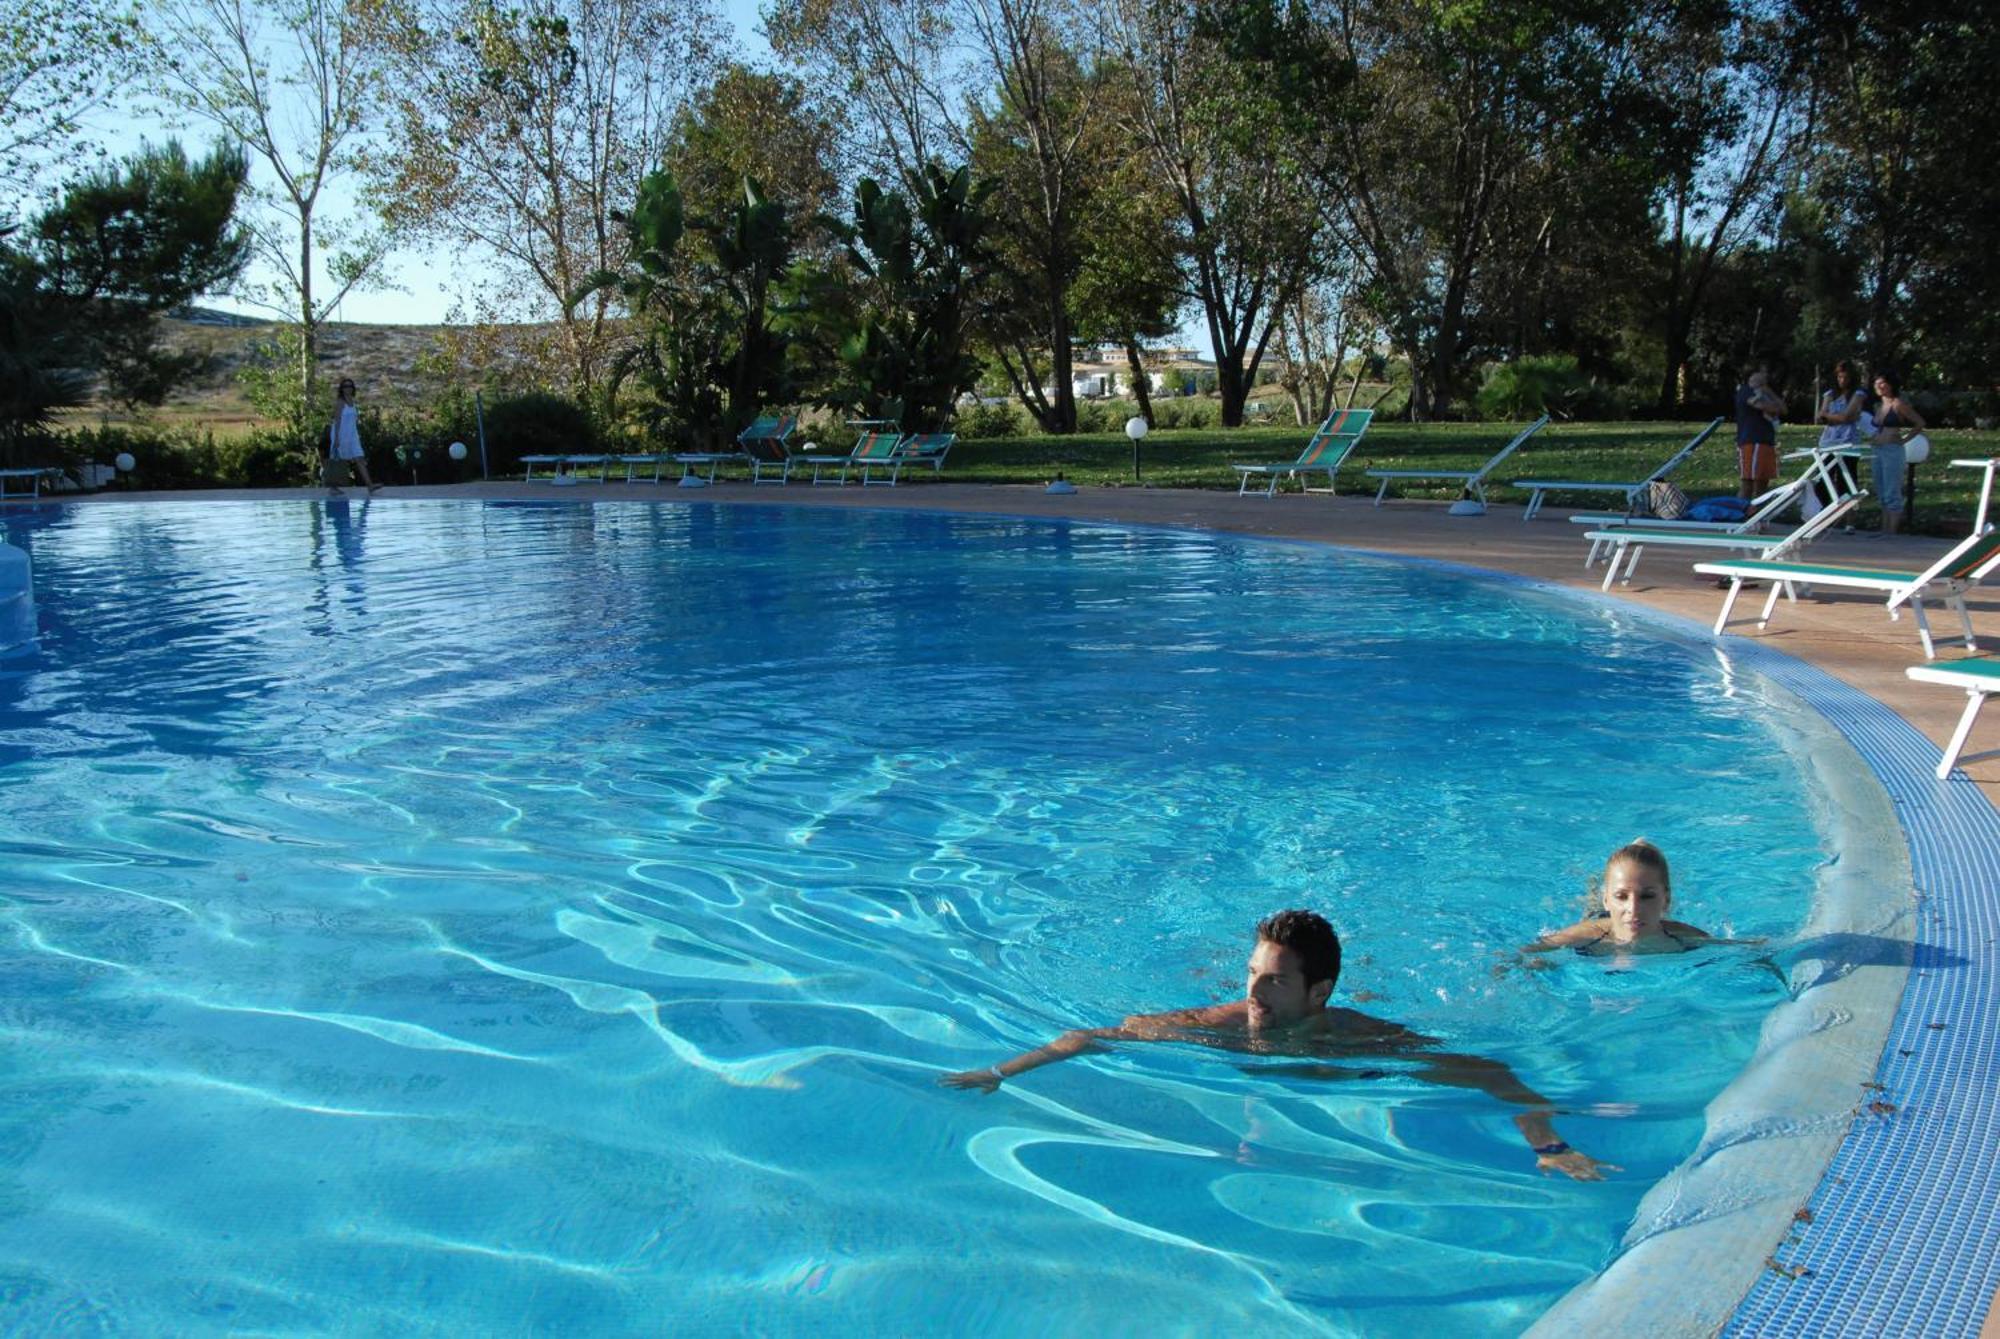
[(425, 284)]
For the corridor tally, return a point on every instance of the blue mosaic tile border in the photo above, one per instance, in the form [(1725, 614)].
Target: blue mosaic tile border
[(1905, 1235)]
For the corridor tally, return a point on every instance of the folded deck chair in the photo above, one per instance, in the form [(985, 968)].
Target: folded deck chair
[(1472, 481), (920, 448), (1539, 488), (639, 461), (1968, 563), (874, 448), (1329, 446), (692, 461), (573, 465), (763, 444), (1626, 542), (1980, 678), (1765, 508)]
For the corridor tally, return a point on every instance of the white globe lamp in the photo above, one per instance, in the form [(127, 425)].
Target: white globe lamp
[(125, 463), (456, 450), (1136, 428)]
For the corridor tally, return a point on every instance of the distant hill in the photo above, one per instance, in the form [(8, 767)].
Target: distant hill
[(384, 360)]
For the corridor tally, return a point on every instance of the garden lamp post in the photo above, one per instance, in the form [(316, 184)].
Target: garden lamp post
[(1136, 428)]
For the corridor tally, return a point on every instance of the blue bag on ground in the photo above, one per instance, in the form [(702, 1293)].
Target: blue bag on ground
[(1719, 509)]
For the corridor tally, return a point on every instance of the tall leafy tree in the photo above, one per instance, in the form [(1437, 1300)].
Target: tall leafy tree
[(763, 126), (129, 242), (1472, 145), (897, 64), (705, 291), (918, 266), (83, 284), (291, 81), (1902, 124), (61, 63), (1210, 115), (1044, 139), (519, 131), (1726, 89)]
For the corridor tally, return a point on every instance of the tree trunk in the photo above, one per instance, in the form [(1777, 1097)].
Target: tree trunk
[(1230, 382), (1142, 390), (308, 328), (1676, 359), (1062, 367)]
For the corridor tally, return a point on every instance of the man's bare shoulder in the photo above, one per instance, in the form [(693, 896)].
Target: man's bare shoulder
[(1228, 1017)]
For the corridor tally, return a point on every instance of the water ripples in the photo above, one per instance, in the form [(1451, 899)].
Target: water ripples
[(572, 907)]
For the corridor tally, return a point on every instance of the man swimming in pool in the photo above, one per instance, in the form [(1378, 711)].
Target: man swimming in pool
[(1284, 1011)]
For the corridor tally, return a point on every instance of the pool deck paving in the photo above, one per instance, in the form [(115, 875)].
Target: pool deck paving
[(1847, 636)]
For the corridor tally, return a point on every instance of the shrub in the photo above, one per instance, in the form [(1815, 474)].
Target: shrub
[(1531, 386), (1186, 413), (1100, 416), (988, 420), (537, 423)]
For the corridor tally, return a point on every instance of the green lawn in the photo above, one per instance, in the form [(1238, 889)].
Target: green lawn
[(1200, 458)]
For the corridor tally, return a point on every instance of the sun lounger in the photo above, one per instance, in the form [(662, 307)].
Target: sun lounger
[(1329, 446), (1765, 508), (874, 448), (572, 465), (919, 448), (1540, 488), (1627, 542), (1471, 482), (691, 461), (1980, 678), (635, 463), (34, 476), (1968, 563), (763, 444)]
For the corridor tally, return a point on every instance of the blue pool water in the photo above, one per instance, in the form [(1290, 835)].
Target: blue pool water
[(497, 918)]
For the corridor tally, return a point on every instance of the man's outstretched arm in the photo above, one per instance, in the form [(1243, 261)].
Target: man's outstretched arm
[(1062, 1048), (1537, 1126), (1139, 1027)]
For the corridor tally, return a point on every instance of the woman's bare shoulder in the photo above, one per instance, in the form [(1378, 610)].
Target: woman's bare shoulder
[(1581, 933)]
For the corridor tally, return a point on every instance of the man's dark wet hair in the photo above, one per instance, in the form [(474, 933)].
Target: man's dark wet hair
[(1307, 934)]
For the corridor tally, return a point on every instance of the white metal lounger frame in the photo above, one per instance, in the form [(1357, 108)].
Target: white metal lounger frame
[(634, 463), (576, 464), (1627, 542), (691, 461), (919, 448), (1901, 587), (763, 445), (1473, 481), (1980, 678), (1323, 451), (1540, 488), (33, 475), (1827, 467), (874, 448)]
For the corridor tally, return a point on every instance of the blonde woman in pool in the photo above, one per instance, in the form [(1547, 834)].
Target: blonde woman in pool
[(1633, 898)]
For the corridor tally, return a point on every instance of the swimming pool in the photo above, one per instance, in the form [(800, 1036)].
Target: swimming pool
[(488, 917)]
